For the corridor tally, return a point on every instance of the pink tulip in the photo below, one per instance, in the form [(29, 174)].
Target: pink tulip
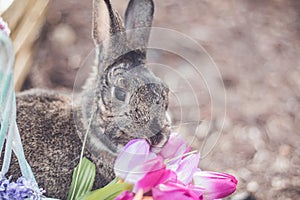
[(187, 167), (135, 153), (169, 174), (176, 191), (155, 178), (154, 168), (175, 147), (136, 161), (217, 185), (174, 152)]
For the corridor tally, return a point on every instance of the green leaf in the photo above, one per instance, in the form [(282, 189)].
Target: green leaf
[(114, 181), (109, 192), (83, 179)]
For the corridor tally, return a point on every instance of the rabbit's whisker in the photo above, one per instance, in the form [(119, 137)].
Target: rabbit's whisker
[(187, 123)]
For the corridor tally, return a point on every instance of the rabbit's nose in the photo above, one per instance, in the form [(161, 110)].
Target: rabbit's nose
[(159, 135), (158, 141)]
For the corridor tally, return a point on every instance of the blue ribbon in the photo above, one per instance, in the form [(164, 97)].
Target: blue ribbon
[(9, 130)]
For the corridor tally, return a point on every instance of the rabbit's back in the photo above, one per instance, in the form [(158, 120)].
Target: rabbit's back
[(51, 142), (51, 145)]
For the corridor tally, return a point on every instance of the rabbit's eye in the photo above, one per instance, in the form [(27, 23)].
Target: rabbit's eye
[(120, 94)]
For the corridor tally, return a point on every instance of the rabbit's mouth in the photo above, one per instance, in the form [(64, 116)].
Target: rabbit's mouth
[(158, 141)]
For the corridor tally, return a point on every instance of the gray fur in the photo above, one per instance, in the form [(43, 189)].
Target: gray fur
[(128, 101)]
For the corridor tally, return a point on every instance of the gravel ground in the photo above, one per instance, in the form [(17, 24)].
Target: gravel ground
[(254, 43)]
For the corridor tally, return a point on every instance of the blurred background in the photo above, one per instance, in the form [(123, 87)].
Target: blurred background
[(254, 43)]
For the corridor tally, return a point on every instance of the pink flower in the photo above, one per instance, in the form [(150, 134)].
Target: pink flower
[(174, 152), (171, 174), (175, 147), (154, 178), (134, 156), (217, 185), (136, 161), (176, 191), (187, 167), (154, 168)]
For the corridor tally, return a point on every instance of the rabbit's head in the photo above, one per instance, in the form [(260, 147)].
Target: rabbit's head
[(130, 101)]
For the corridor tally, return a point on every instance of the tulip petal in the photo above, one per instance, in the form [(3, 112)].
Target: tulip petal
[(175, 147), (187, 167), (136, 174), (197, 190), (137, 146), (134, 153), (217, 185), (175, 191), (150, 180), (155, 178)]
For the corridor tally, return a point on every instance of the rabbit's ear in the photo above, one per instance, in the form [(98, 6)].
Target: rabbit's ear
[(106, 21), (107, 29), (138, 21)]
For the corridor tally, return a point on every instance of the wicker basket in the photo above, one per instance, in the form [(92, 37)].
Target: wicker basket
[(25, 19)]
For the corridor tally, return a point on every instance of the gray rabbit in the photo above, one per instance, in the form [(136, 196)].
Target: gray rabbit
[(123, 99)]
